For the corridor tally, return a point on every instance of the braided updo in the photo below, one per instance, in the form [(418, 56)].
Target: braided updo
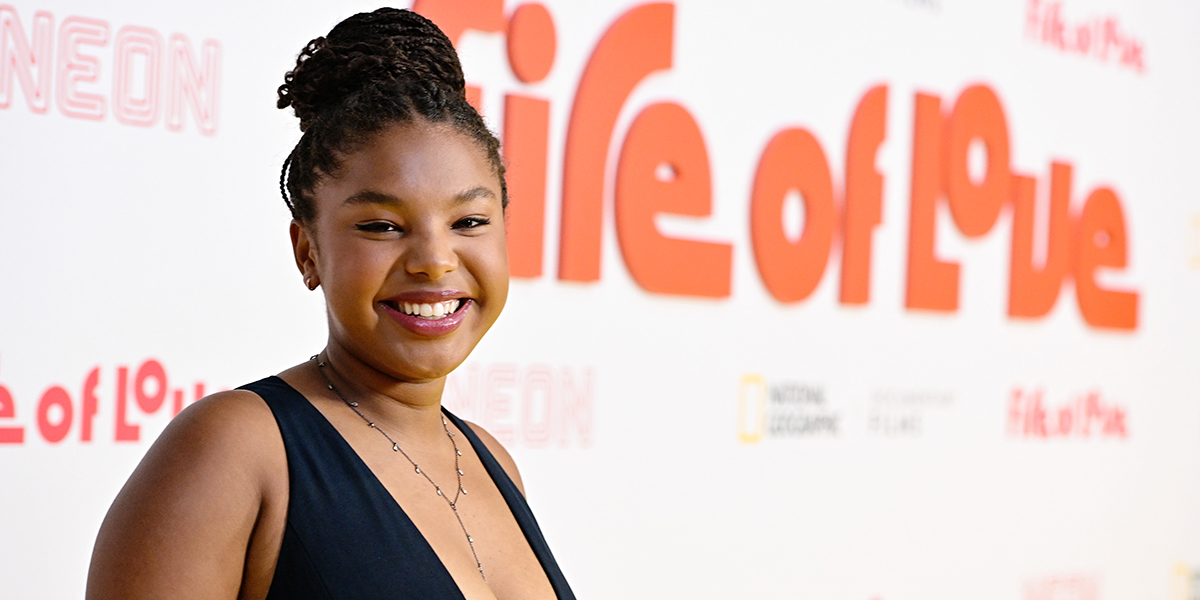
[(373, 70)]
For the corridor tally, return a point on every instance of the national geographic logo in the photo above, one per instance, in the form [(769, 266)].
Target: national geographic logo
[(784, 409)]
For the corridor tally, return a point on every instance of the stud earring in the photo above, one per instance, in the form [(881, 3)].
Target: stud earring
[(310, 284)]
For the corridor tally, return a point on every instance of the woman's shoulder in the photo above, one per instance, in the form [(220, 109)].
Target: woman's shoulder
[(211, 479), (239, 417), (225, 417), (246, 412), (228, 435)]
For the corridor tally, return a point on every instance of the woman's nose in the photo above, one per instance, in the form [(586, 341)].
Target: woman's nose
[(430, 254)]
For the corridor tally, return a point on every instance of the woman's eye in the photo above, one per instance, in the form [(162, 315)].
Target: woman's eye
[(377, 227), (471, 222)]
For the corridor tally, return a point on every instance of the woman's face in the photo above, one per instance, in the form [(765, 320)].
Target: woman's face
[(408, 244)]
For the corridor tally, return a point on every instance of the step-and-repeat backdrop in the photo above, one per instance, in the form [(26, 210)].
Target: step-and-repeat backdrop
[(880, 299)]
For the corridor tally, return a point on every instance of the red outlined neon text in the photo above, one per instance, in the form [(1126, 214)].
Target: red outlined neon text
[(154, 77)]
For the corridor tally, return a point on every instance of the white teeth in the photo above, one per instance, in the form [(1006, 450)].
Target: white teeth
[(436, 310)]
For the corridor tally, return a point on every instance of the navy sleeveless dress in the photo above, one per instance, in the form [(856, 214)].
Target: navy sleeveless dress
[(346, 536)]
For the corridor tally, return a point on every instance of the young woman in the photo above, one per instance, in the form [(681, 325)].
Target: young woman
[(343, 477)]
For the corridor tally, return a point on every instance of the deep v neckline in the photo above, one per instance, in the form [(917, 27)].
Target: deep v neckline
[(364, 471), (508, 490)]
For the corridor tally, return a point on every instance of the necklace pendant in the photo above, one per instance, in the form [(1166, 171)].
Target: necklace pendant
[(395, 447), (418, 469)]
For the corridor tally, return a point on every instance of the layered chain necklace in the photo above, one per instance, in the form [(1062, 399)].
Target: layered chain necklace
[(461, 491)]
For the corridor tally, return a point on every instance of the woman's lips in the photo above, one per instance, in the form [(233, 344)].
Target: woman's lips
[(432, 318)]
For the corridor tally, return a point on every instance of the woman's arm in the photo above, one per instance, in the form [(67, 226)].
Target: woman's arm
[(202, 515)]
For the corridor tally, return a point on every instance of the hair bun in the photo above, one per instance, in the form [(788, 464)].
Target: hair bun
[(389, 46)]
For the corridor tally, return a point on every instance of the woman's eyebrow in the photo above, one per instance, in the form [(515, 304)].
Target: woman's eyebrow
[(374, 197), (473, 193), (371, 197)]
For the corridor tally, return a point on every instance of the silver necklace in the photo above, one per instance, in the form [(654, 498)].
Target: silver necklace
[(396, 448)]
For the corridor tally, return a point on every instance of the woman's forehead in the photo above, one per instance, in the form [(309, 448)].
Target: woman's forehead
[(412, 160)]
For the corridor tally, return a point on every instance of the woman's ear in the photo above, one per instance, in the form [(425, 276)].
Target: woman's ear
[(305, 251)]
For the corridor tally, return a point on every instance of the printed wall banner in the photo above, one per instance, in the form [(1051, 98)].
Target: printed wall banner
[(875, 299)]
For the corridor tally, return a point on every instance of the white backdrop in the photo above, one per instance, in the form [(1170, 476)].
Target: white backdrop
[(672, 445)]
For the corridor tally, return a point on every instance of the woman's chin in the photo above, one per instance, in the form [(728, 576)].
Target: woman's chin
[(427, 364)]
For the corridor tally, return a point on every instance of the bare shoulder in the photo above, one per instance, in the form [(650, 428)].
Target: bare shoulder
[(231, 431), (181, 525), (227, 436), (502, 456), (222, 422)]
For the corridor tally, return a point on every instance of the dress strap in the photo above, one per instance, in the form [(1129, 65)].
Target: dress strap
[(520, 510)]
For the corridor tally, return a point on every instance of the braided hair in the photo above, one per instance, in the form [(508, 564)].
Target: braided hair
[(373, 70)]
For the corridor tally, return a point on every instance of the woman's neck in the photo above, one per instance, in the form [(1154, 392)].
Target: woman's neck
[(407, 408)]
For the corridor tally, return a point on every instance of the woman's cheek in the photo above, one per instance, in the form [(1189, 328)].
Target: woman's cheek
[(364, 260), (499, 267)]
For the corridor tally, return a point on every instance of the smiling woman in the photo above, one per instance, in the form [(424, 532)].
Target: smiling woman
[(343, 477)]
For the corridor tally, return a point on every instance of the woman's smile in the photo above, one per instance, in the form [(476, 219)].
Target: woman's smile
[(429, 314)]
